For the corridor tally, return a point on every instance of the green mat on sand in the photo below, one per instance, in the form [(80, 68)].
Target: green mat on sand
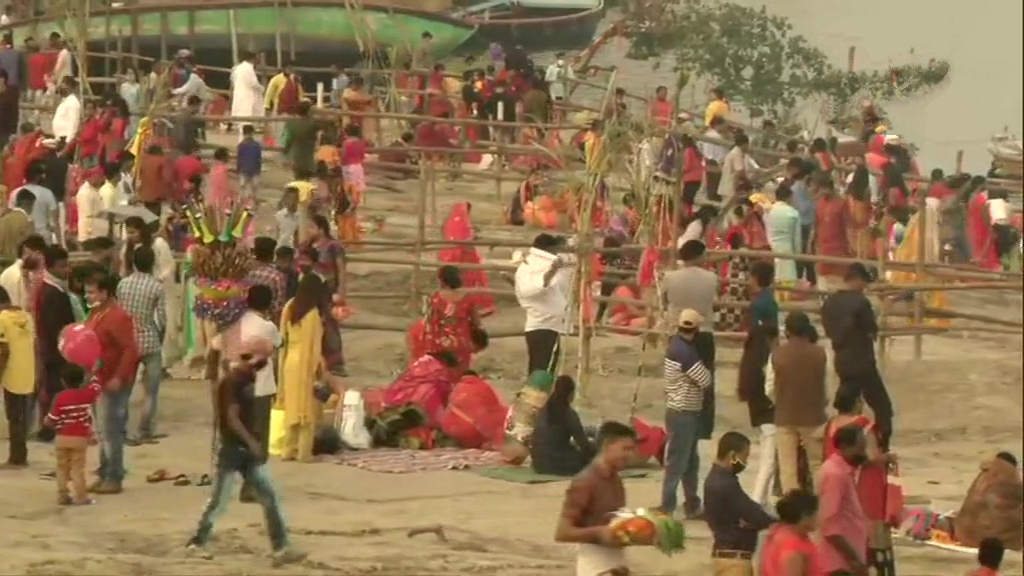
[(526, 475)]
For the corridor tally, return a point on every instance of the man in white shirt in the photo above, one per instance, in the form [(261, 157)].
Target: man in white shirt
[(15, 278), (256, 324), (62, 67), (714, 156), (287, 218), (89, 201), (67, 118), (542, 284), (44, 209), (558, 77), (735, 175)]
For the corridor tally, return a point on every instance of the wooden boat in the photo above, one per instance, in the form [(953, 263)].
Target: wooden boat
[(1007, 155), (311, 32), (535, 24)]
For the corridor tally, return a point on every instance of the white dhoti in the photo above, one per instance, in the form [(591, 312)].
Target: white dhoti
[(594, 560)]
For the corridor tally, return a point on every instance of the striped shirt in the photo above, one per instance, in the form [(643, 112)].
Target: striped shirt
[(71, 414), (686, 377)]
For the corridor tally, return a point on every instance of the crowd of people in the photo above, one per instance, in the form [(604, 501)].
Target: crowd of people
[(699, 194)]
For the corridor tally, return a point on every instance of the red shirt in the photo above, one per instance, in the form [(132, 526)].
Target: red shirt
[(941, 191), (983, 571), (119, 354), (661, 113), (782, 542), (693, 165), (71, 413), (39, 65), (353, 151), (431, 135), (186, 168)]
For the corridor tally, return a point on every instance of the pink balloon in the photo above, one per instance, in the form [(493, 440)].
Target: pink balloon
[(79, 345)]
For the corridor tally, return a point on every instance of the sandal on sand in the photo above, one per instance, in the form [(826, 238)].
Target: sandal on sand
[(204, 480), (161, 475), (182, 480)]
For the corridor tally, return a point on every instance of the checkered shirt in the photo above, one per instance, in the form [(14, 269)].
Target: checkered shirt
[(142, 297), (269, 275)]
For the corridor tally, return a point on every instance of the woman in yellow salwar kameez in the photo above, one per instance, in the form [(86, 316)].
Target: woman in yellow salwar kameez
[(907, 252), (302, 330)]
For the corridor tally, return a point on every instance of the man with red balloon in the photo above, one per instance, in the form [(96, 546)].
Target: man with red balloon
[(105, 346)]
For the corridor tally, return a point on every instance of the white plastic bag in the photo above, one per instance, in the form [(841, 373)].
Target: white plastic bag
[(350, 421)]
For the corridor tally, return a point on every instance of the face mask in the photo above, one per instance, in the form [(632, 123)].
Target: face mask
[(737, 467), (857, 460), (560, 62)]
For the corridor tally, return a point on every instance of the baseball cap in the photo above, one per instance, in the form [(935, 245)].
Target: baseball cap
[(690, 318)]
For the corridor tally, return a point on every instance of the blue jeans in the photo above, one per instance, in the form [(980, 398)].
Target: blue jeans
[(682, 461), (153, 366), (232, 458), (115, 430)]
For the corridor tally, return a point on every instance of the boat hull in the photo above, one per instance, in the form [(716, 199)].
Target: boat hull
[(311, 31), (541, 30)]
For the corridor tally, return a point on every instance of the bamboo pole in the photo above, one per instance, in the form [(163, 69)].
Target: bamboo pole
[(277, 35), (421, 232), (921, 251), (233, 32)]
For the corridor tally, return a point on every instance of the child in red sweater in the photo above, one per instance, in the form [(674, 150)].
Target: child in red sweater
[(71, 417)]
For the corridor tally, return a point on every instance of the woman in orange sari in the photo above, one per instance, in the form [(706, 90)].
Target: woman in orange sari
[(459, 228), (449, 322), (858, 216)]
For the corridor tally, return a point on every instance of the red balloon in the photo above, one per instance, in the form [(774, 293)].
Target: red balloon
[(79, 345)]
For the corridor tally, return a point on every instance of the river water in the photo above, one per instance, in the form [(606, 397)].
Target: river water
[(981, 40)]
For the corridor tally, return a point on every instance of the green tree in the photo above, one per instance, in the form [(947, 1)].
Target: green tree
[(757, 59)]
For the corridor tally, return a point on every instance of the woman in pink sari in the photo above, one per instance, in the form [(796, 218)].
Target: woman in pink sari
[(979, 230), (459, 228), (218, 183)]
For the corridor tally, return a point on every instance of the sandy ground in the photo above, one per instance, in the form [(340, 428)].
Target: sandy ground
[(959, 404)]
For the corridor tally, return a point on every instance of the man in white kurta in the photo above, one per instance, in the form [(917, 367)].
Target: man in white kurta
[(246, 91)]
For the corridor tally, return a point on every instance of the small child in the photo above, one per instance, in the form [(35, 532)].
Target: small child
[(71, 417), (284, 259), (250, 163), (288, 220), (218, 183), (990, 556)]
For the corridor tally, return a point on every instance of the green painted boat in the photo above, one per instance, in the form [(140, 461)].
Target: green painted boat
[(317, 32)]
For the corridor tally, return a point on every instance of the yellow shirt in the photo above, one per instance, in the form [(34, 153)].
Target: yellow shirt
[(716, 108), (18, 333)]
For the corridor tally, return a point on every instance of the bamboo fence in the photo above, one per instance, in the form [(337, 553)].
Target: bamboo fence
[(957, 278)]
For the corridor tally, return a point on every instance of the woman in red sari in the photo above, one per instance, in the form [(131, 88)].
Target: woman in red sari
[(89, 142), (116, 119), (872, 479), (459, 228), (22, 152), (449, 322), (979, 229)]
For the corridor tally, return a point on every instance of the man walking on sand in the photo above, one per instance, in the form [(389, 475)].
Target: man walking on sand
[(849, 322), (686, 381), (241, 452), (591, 499)]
